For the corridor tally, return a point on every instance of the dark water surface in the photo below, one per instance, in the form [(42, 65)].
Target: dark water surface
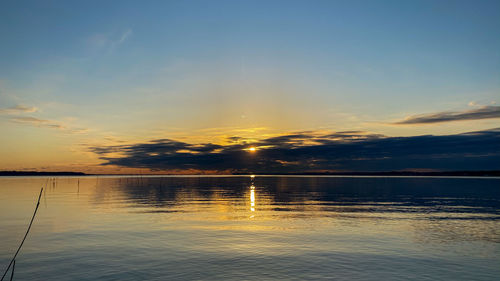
[(214, 228)]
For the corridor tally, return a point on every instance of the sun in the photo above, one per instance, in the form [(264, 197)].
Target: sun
[(252, 149)]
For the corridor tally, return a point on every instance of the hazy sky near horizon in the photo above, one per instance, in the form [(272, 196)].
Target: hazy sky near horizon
[(79, 75)]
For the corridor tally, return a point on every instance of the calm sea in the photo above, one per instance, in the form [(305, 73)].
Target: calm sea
[(265, 228)]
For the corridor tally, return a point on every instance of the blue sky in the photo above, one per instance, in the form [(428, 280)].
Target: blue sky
[(204, 70)]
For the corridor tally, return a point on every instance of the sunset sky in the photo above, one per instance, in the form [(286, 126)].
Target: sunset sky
[(191, 86)]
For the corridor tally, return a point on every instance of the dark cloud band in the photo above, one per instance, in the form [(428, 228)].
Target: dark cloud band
[(343, 151), (485, 112)]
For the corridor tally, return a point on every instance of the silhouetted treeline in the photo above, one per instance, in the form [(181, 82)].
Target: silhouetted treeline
[(33, 173)]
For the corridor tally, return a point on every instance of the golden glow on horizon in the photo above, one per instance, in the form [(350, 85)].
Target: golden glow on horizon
[(252, 149)]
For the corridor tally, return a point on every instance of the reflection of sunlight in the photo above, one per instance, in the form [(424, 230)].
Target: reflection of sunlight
[(252, 198)]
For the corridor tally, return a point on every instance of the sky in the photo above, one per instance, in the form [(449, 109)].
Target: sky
[(192, 86)]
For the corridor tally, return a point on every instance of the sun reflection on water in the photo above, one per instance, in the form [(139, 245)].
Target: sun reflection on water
[(252, 195), (252, 198)]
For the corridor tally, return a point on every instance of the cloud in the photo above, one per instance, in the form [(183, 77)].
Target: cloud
[(484, 112), (41, 123), (125, 35), (307, 152), (108, 42), (18, 109), (36, 122)]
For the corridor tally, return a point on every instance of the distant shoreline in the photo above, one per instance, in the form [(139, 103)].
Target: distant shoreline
[(494, 173), (34, 173)]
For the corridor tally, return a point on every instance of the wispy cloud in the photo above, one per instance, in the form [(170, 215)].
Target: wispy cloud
[(42, 123), (36, 122), (108, 41), (309, 152), (18, 109), (484, 112), (125, 35)]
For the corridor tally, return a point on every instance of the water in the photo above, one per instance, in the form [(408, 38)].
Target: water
[(214, 228)]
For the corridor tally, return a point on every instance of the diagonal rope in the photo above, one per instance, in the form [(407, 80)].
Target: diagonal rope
[(12, 271), (25, 235)]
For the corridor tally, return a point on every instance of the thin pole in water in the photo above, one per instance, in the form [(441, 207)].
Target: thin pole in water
[(25, 235)]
